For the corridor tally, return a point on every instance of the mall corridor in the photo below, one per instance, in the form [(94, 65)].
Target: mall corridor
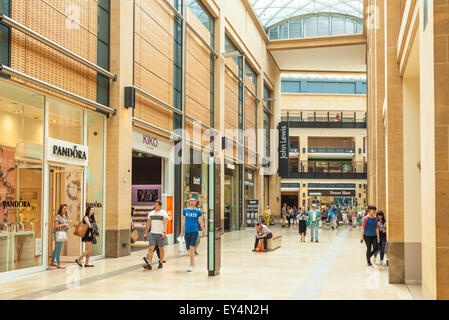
[(334, 268)]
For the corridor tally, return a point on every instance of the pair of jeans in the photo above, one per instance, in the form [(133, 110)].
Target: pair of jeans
[(289, 221), (265, 241), (314, 230), (57, 251), (383, 242), (370, 241)]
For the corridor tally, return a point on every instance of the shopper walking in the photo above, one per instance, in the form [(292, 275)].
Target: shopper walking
[(382, 225), (314, 217), (89, 238), (370, 234), (303, 218), (295, 214), (189, 229), (157, 221), (60, 230), (268, 215), (283, 215), (289, 216)]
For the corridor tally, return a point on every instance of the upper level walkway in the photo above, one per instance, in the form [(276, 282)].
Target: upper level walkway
[(334, 268)]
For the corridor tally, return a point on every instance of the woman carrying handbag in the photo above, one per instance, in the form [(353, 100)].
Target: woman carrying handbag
[(89, 238), (60, 235)]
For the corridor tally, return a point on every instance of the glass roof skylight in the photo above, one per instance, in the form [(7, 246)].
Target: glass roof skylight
[(271, 12), (313, 76)]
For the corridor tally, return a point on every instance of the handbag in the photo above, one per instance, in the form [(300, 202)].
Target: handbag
[(81, 229), (134, 235), (61, 236), (260, 246)]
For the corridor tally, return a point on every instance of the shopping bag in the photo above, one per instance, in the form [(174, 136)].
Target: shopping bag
[(134, 235), (81, 229), (260, 247), (182, 245)]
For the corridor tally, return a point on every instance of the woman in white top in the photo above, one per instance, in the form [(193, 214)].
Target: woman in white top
[(60, 224)]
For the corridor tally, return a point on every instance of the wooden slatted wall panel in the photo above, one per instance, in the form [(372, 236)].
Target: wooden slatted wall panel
[(250, 158), (231, 150), (153, 65), (231, 101), (153, 113), (250, 120), (49, 18), (197, 79)]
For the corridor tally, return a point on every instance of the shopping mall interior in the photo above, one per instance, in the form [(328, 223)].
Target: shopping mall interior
[(243, 111)]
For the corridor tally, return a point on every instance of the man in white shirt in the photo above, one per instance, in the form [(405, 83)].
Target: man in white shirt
[(262, 233), (157, 220)]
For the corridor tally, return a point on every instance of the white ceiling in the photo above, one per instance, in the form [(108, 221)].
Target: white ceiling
[(329, 59)]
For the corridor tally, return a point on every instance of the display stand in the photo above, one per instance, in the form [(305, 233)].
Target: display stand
[(4, 251), (21, 250)]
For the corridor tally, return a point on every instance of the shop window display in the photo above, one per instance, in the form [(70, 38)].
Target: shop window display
[(196, 175), (21, 154)]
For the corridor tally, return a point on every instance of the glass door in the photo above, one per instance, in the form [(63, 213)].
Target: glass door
[(66, 187)]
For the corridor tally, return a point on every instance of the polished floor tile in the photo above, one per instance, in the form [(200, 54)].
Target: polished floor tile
[(334, 268)]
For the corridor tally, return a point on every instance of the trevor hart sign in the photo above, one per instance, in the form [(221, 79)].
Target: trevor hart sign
[(335, 193), (66, 152), (252, 212), (283, 149)]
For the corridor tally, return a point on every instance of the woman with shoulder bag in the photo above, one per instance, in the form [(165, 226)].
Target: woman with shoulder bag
[(89, 237), (60, 235)]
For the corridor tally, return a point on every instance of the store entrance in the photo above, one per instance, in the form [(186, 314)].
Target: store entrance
[(66, 187)]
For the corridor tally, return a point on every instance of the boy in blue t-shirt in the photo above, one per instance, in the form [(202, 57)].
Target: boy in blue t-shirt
[(189, 229)]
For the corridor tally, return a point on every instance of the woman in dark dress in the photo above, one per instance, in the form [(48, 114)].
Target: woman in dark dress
[(303, 217), (89, 238)]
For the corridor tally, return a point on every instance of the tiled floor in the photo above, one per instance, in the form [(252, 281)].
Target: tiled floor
[(334, 268)]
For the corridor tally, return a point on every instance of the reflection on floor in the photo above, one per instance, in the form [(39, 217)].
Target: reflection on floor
[(334, 268)]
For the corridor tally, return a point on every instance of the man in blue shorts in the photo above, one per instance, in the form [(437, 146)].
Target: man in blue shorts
[(191, 216)]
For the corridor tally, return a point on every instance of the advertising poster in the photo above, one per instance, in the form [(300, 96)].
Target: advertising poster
[(169, 210), (145, 195), (252, 212)]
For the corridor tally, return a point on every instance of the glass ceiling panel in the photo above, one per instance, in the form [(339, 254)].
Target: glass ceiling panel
[(271, 12)]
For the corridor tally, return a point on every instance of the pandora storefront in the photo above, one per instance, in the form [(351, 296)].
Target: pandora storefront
[(51, 153)]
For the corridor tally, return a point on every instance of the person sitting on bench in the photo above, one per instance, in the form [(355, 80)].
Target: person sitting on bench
[(262, 233)]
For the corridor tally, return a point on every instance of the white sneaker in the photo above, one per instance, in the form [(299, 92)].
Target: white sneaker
[(190, 269)]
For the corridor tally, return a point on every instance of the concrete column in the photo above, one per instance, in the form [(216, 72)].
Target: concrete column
[(119, 134), (379, 98), (394, 144), (434, 96)]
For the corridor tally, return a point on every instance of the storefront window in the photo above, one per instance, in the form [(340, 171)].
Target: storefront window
[(21, 154), (65, 122), (232, 197), (94, 173)]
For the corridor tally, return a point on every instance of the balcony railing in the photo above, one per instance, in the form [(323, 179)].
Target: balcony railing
[(325, 119), (328, 170), (329, 147)]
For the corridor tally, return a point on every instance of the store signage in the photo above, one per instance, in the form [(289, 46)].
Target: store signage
[(150, 142), (145, 142), (66, 152), (335, 193), (252, 212), (94, 204), (16, 204), (283, 149)]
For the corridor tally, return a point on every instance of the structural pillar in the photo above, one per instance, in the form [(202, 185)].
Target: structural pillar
[(119, 134)]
